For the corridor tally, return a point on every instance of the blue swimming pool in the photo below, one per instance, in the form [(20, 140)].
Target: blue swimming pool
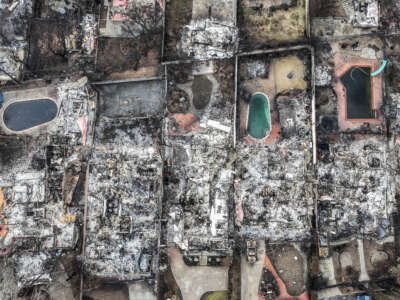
[(23, 115)]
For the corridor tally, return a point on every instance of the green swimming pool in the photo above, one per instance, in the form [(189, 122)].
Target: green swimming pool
[(259, 120)]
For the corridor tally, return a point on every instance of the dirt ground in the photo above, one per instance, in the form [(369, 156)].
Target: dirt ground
[(262, 27), (326, 8), (121, 58), (289, 264), (188, 86), (289, 74), (47, 51), (178, 13)]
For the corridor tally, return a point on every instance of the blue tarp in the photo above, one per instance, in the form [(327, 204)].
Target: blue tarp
[(1, 97)]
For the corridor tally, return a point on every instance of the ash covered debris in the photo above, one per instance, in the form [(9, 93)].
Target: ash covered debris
[(393, 85), (198, 190), (272, 192), (123, 207), (344, 18), (205, 39), (42, 173), (356, 192), (124, 132), (366, 13), (13, 45), (17, 10), (77, 112), (355, 185), (36, 225), (34, 269), (125, 183), (211, 33)]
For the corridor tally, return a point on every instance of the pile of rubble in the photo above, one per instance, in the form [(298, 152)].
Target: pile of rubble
[(123, 205), (206, 38), (198, 191), (77, 112), (273, 195), (12, 37), (355, 190), (33, 218)]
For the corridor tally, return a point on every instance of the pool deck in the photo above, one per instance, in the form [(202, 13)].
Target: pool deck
[(344, 63)]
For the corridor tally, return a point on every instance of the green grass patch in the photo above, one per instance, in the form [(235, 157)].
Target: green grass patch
[(219, 295)]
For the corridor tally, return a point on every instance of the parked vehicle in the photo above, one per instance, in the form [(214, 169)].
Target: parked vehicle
[(251, 251)]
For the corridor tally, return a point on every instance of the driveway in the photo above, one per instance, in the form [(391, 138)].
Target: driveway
[(195, 281), (139, 290), (251, 273)]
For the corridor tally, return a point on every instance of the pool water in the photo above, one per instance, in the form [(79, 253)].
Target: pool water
[(259, 123), (359, 93), (22, 115)]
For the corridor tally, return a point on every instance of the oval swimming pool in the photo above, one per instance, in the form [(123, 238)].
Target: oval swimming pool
[(259, 120), (23, 115)]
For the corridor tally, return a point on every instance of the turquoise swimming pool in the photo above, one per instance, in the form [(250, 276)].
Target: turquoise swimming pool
[(259, 120)]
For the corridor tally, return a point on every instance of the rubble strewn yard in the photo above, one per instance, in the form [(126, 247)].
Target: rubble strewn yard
[(199, 150)]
